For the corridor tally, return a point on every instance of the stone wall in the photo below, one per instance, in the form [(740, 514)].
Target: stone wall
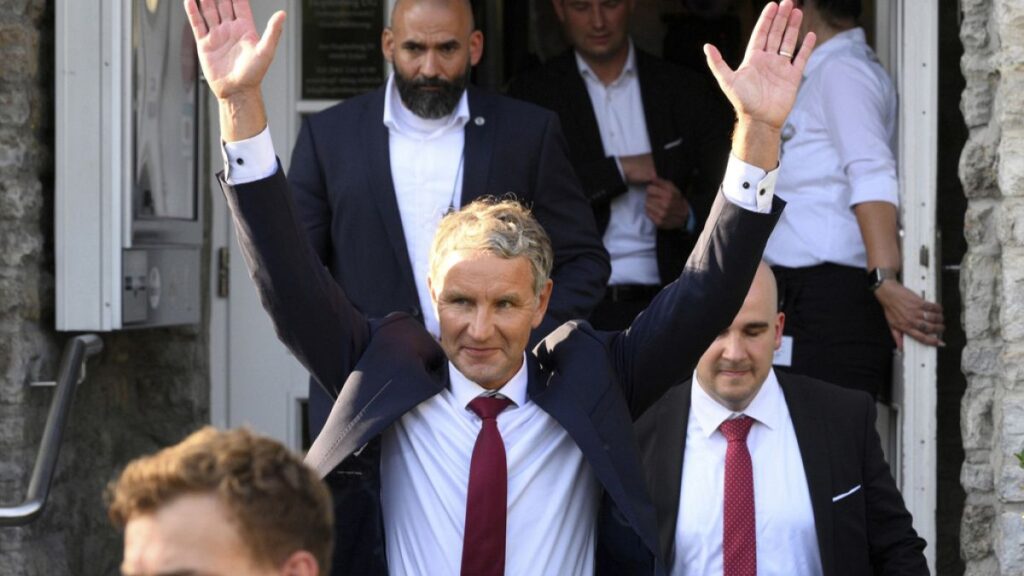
[(148, 388), (992, 284)]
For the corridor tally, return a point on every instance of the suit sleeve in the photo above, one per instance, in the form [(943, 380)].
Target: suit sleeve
[(310, 312), (581, 267), (895, 547), (306, 179), (663, 344)]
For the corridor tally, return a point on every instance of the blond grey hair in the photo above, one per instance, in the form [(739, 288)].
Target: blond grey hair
[(504, 228)]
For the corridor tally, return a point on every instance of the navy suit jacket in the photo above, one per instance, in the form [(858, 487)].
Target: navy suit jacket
[(340, 175), (688, 127), (868, 531), (593, 383)]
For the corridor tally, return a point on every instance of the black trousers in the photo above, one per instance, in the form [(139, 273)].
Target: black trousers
[(838, 327)]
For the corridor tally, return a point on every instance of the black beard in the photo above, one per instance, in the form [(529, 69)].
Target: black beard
[(430, 104)]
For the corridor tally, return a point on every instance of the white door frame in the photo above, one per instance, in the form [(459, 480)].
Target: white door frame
[(908, 43)]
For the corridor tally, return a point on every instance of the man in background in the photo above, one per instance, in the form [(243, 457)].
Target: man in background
[(758, 472), (648, 140), (222, 503)]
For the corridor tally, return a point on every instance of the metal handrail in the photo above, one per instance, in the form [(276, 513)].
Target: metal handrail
[(70, 374)]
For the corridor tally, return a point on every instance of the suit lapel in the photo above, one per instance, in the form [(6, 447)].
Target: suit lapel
[(582, 117), (478, 147), (382, 186), (812, 437), (666, 465), (384, 386), (657, 125)]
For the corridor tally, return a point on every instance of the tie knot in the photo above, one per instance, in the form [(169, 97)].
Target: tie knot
[(488, 407), (736, 429)]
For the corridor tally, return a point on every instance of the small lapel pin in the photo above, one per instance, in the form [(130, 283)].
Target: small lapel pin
[(479, 121)]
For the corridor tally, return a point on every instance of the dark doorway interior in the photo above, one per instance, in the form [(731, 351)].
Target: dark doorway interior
[(951, 205)]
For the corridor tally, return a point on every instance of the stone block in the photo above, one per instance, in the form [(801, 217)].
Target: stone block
[(1010, 222), (976, 414), (14, 107), (19, 53), (980, 225), (1011, 164), (1011, 480), (1009, 542), (21, 198), (976, 102), (982, 358), (976, 532), (14, 149), (978, 165), (974, 32), (1011, 314), (986, 566), (18, 244), (977, 477), (979, 289)]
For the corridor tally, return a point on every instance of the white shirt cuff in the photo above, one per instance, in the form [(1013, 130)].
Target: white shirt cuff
[(748, 186), (249, 160)]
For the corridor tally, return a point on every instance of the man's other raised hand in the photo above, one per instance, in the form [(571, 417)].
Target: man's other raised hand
[(234, 59)]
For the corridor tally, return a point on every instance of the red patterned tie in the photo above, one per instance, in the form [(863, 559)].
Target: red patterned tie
[(739, 537), (483, 546)]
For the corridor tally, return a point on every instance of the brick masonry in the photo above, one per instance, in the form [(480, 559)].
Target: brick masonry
[(992, 172), (147, 389)]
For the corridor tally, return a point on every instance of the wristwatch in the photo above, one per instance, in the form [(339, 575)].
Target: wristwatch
[(878, 275)]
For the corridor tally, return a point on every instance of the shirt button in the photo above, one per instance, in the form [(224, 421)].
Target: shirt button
[(240, 161), (746, 185)]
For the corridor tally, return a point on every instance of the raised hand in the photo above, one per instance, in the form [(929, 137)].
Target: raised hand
[(234, 59), (763, 88)]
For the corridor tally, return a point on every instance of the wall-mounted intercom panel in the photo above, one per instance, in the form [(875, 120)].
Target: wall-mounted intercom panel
[(128, 215)]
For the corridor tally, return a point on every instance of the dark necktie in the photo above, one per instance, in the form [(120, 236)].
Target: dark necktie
[(739, 536), (483, 546)]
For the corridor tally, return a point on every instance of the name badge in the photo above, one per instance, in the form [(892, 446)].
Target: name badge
[(784, 355)]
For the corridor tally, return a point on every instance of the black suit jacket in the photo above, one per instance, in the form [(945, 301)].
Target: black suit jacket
[(593, 383), (867, 532), (687, 124), (340, 174)]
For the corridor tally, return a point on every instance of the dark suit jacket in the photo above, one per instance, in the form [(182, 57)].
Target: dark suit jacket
[(593, 383), (687, 124), (868, 532), (341, 177)]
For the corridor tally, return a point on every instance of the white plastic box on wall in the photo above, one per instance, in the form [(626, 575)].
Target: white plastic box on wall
[(128, 216)]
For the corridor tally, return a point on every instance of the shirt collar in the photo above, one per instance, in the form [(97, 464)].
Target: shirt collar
[(846, 38), (628, 70), (400, 119), (766, 407), (465, 390)]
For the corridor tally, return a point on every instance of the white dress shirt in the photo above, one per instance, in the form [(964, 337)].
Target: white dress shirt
[(427, 161), (553, 494), (787, 543), (837, 151), (630, 236)]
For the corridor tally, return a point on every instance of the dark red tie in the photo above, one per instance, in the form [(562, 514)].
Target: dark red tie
[(739, 536), (483, 546)]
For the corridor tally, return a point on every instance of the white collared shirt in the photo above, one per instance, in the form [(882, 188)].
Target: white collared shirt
[(553, 494), (784, 520), (837, 151), (619, 109), (427, 158)]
